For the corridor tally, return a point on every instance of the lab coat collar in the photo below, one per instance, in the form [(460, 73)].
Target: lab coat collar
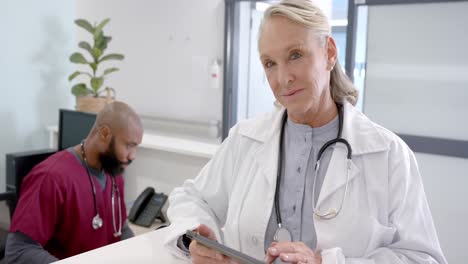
[(362, 134), (268, 131)]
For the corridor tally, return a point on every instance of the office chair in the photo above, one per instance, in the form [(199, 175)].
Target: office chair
[(8, 197), (18, 166)]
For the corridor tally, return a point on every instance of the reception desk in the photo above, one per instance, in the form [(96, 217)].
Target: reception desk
[(146, 248)]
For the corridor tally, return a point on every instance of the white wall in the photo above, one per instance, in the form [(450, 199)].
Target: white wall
[(162, 170), (169, 46), (37, 38)]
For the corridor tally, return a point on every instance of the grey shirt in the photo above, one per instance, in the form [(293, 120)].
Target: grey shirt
[(22, 249), (301, 144)]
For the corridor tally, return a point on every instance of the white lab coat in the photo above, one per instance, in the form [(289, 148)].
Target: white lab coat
[(385, 217)]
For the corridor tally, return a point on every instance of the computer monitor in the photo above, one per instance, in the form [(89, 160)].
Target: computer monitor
[(18, 165), (74, 126)]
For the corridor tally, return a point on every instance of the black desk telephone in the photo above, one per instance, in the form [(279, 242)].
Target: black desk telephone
[(147, 207)]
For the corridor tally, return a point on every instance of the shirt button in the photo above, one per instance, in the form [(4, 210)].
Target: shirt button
[(254, 240), (299, 170)]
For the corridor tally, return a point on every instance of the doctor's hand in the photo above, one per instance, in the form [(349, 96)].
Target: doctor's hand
[(204, 255), (292, 252)]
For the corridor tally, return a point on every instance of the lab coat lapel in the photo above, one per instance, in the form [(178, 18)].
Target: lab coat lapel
[(267, 156), (363, 137), (335, 177), (266, 159)]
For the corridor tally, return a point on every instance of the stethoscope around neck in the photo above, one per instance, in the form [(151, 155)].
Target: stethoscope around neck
[(97, 220), (282, 234)]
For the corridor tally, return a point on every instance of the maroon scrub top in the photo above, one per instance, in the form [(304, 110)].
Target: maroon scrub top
[(56, 207)]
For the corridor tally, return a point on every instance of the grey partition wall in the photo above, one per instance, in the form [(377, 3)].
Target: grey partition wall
[(412, 58)]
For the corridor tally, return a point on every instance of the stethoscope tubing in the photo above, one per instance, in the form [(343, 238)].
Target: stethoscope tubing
[(97, 220), (330, 214)]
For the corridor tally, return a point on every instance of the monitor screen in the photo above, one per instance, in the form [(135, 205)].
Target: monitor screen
[(74, 126)]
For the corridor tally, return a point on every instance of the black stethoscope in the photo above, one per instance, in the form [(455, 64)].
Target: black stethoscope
[(97, 220), (282, 234)]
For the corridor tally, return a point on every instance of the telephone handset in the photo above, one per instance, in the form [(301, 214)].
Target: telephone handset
[(147, 207)]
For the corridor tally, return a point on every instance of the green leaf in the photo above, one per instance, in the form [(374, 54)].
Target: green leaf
[(96, 53), (98, 29), (75, 74), (96, 83), (85, 24), (105, 42), (107, 39), (110, 70), (100, 42), (113, 56), (80, 89), (78, 58), (85, 45), (93, 66)]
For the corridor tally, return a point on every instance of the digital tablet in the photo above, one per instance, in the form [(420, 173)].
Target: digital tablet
[(239, 256)]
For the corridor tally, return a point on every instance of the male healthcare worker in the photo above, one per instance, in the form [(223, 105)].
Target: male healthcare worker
[(74, 201)]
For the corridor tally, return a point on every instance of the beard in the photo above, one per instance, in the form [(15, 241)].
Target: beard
[(109, 161)]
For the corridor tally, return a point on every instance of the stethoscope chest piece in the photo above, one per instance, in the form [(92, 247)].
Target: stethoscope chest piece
[(282, 235), (117, 234), (97, 222)]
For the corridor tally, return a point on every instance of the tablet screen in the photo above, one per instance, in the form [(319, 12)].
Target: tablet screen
[(237, 255)]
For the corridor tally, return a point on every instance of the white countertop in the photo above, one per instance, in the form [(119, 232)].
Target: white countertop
[(185, 146), (146, 248)]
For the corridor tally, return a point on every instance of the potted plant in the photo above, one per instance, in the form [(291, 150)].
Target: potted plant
[(91, 96)]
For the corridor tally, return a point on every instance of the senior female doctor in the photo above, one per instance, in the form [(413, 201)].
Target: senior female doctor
[(314, 181)]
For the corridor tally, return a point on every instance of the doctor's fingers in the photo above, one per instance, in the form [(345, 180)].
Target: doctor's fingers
[(197, 259), (269, 259), (277, 248), (204, 255), (197, 249), (205, 231), (290, 247), (202, 260), (300, 258)]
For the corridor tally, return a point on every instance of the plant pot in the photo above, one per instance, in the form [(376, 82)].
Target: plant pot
[(93, 104)]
